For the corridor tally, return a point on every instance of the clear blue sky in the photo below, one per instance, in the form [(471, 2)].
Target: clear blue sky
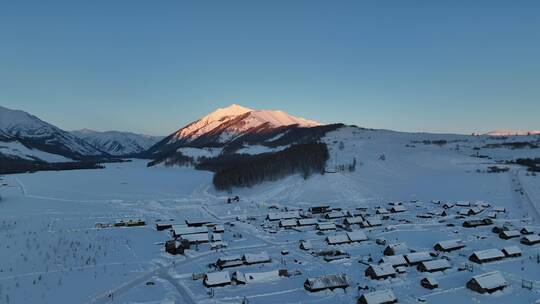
[(152, 66)]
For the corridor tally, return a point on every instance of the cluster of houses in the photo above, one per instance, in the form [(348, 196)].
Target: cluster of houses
[(508, 232), (194, 232), (245, 259)]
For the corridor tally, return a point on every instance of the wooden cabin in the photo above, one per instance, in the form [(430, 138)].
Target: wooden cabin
[(487, 282), (324, 282), (386, 296), (380, 271), (486, 256)]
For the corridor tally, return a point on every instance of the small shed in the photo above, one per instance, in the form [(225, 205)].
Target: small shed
[(527, 230), (380, 272), (530, 240), (429, 283), (396, 248), (398, 209), (382, 210), (512, 251), (477, 223), (305, 245), (331, 281), (385, 296), (434, 265), (217, 279), (487, 282)]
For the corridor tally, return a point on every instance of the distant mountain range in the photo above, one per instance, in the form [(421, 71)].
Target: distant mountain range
[(220, 136), (118, 143), (25, 136), (237, 129)]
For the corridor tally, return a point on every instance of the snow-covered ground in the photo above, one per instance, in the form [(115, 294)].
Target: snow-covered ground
[(52, 251), (17, 150)]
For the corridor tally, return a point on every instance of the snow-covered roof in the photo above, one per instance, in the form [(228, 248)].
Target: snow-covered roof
[(379, 297), (217, 237), (352, 220), (337, 239), (252, 258), (398, 248), (382, 210), (450, 244), (230, 258), (307, 221), (357, 236), (531, 238), (328, 281), (326, 226), (257, 277), (510, 233), (336, 214), (373, 220), (394, 260), (490, 280), (217, 278), (194, 238), (185, 230), (417, 257), (383, 269), (512, 250), (288, 223), (489, 254), (431, 280), (436, 264)]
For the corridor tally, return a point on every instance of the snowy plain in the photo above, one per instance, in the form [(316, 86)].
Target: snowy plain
[(52, 251)]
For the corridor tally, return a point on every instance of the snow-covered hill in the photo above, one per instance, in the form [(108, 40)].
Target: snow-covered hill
[(117, 143), (233, 128), (23, 135)]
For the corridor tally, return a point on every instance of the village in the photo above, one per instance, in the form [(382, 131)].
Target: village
[(393, 252)]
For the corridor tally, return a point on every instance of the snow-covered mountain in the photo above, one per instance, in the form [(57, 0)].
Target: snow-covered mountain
[(25, 136), (232, 127), (118, 143), (513, 132)]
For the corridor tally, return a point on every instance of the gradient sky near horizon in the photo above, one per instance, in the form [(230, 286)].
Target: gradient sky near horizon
[(153, 66)]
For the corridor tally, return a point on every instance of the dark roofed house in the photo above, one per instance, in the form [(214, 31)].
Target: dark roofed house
[(378, 297), (331, 282), (477, 223), (336, 214), (487, 282), (319, 209)]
